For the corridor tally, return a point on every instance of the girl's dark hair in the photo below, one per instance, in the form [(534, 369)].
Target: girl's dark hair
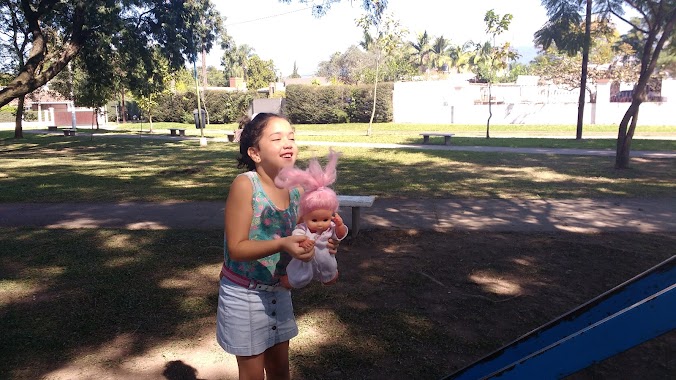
[(251, 135)]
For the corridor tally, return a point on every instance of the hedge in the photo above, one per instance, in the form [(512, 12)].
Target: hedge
[(311, 104)]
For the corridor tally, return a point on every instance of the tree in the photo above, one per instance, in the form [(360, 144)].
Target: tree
[(563, 29), (295, 74), (235, 59), (460, 56), (59, 31), (384, 39), (490, 59), (607, 60), (153, 83), (216, 77), (347, 67), (13, 48), (440, 55), (319, 8), (260, 73), (657, 27), (422, 50)]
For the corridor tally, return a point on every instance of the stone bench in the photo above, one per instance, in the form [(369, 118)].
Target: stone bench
[(426, 137), (356, 202), (234, 135), (69, 132), (173, 132)]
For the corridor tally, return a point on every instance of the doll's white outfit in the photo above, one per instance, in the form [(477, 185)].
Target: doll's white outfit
[(323, 266)]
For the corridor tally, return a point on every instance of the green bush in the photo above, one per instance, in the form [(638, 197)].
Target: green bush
[(8, 115), (362, 103), (307, 104), (30, 115), (227, 107)]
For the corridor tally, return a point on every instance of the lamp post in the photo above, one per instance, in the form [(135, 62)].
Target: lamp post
[(200, 125)]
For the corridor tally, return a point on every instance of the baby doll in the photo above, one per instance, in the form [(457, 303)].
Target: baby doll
[(319, 221)]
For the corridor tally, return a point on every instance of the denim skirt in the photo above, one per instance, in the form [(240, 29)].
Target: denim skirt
[(251, 321)]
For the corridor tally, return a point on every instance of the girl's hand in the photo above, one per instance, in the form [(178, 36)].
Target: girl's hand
[(291, 244), (333, 246)]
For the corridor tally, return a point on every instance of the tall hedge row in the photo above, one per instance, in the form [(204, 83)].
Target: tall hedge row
[(223, 107), (310, 104)]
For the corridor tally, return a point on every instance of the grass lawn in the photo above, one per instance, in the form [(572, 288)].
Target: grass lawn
[(517, 136), (52, 168), (105, 303)]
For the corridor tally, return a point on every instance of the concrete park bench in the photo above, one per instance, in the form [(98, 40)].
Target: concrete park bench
[(447, 137), (173, 131), (356, 202), (69, 132)]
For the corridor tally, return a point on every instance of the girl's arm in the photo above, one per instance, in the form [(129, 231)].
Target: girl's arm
[(238, 215)]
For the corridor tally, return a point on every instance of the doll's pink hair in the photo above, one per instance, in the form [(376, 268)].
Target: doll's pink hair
[(315, 182)]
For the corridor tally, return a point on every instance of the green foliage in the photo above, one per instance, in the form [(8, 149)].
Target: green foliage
[(227, 107), (223, 107), (306, 104), (7, 114), (110, 38), (5, 78), (362, 103), (259, 73)]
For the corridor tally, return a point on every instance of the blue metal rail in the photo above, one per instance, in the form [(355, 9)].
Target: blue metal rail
[(631, 313)]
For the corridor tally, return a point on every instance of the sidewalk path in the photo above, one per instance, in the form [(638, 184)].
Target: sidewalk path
[(572, 215)]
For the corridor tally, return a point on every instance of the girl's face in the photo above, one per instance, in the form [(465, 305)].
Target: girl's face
[(318, 220), (277, 146)]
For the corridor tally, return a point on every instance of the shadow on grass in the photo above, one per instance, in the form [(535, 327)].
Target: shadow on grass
[(53, 170), (423, 304), (67, 293), (407, 305)]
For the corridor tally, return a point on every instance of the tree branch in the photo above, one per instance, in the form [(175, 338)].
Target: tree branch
[(637, 27)]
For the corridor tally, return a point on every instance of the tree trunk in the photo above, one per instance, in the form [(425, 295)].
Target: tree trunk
[(490, 112), (625, 135), (648, 62), (375, 93), (124, 111), (583, 76), (18, 128)]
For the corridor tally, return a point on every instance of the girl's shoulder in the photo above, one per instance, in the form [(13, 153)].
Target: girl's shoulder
[(243, 182)]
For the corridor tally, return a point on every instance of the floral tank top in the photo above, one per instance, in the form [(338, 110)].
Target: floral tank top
[(268, 222)]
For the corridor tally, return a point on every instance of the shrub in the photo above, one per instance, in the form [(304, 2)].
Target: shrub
[(337, 104)]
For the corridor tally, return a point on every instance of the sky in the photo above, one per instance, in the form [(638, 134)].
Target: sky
[(288, 33)]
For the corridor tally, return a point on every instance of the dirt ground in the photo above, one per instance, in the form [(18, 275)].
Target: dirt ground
[(434, 302), (408, 305)]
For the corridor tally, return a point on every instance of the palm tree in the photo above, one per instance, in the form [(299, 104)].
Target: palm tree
[(422, 50), (235, 60), (460, 56), (563, 29), (439, 56)]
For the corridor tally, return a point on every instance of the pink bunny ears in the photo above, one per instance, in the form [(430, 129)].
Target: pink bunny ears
[(311, 178)]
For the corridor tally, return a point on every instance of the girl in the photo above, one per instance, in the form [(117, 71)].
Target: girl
[(318, 207), (255, 316)]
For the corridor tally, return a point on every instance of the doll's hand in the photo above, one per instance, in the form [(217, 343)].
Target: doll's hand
[(307, 244), (337, 220), (291, 244)]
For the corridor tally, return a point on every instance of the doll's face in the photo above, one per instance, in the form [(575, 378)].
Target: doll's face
[(318, 220)]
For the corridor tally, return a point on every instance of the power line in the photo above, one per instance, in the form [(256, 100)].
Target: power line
[(267, 17)]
